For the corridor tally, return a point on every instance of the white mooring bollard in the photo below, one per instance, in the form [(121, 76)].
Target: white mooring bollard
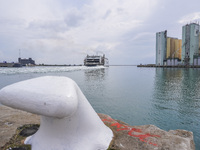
[(68, 122)]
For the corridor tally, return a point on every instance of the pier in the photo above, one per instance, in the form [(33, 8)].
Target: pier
[(176, 66), (10, 65)]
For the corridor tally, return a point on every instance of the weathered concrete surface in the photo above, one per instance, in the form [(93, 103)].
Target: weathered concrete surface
[(147, 137), (11, 119)]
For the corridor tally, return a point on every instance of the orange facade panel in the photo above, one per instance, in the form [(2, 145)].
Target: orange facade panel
[(168, 48), (174, 48)]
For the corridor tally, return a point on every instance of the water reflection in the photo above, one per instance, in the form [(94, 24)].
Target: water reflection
[(94, 88), (96, 74), (176, 99), (94, 80)]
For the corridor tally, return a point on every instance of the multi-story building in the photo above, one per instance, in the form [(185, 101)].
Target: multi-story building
[(25, 62), (168, 50), (161, 42), (190, 41)]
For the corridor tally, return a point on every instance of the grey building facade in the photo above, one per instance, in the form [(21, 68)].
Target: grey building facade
[(161, 47), (190, 43)]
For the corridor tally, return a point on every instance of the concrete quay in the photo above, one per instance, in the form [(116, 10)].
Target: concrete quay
[(178, 66)]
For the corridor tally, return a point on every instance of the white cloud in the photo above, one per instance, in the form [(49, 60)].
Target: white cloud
[(106, 21), (70, 27), (142, 35), (190, 18)]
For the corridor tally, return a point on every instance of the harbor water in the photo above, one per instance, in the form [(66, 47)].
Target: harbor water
[(166, 97)]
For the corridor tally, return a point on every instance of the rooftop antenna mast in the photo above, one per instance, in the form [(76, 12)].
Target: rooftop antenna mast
[(19, 53)]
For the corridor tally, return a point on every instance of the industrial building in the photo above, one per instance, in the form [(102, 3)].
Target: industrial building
[(161, 42), (168, 49), (173, 51), (26, 62), (190, 37)]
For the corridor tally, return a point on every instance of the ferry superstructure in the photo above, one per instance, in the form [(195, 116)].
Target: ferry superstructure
[(96, 60)]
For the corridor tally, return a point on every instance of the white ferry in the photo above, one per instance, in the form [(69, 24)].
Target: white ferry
[(96, 60)]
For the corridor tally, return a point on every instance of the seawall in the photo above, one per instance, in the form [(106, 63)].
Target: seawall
[(176, 66)]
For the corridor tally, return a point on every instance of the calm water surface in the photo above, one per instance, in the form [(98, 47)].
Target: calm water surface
[(168, 98)]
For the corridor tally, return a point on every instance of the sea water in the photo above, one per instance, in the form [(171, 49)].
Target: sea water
[(166, 97)]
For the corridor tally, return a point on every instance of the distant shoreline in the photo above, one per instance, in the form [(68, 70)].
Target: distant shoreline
[(49, 65), (122, 65), (58, 65)]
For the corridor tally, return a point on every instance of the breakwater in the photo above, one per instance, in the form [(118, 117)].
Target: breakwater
[(126, 137), (10, 65), (177, 66)]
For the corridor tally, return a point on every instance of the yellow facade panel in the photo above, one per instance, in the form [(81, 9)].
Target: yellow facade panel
[(172, 47), (176, 50), (180, 49), (168, 48)]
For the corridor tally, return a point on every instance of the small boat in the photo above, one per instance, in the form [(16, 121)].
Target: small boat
[(96, 60)]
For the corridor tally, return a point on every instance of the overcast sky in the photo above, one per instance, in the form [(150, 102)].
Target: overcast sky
[(65, 31)]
